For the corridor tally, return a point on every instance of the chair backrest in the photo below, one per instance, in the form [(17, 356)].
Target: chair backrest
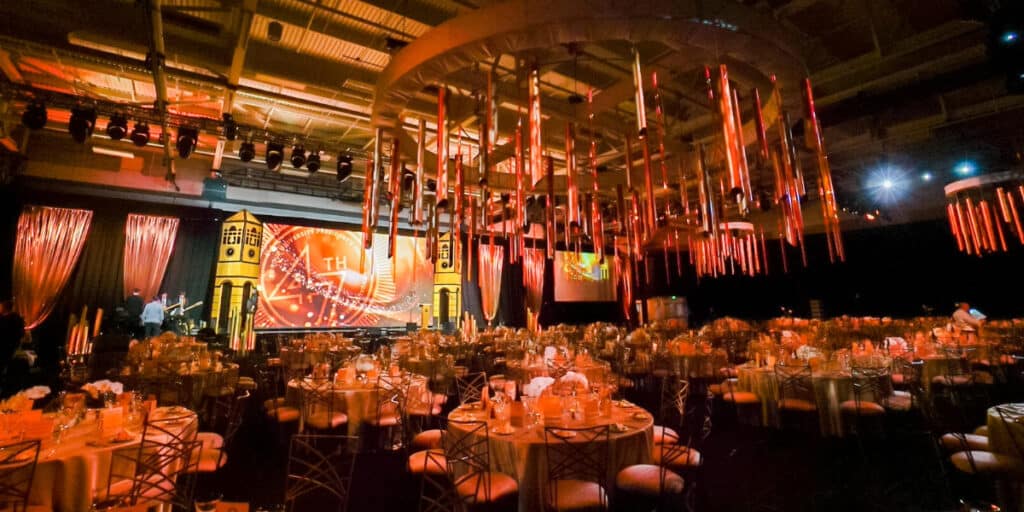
[(674, 394), (392, 393), (576, 454), (17, 469), (468, 454), (319, 396), (320, 467), (166, 451), (470, 386), (1011, 425), (871, 384), (794, 382)]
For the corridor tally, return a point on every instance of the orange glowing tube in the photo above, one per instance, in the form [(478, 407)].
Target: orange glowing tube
[(684, 197), (964, 227), (629, 164), (472, 236), (973, 222), (1016, 218), (596, 217), (954, 227), (651, 209), (762, 135), (573, 205), (741, 149), (638, 98), (550, 209), (728, 118), (536, 147), (660, 122), (458, 208), (520, 217), (1004, 206), (986, 218), (828, 197), (417, 189), (395, 186), (764, 252), (620, 209), (442, 144), (679, 256), (368, 199), (999, 231)]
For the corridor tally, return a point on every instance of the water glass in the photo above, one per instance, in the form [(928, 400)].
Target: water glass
[(207, 503)]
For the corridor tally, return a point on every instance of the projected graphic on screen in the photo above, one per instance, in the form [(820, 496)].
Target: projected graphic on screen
[(580, 278), (312, 277)]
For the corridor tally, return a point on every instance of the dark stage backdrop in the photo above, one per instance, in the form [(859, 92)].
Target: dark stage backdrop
[(194, 260)]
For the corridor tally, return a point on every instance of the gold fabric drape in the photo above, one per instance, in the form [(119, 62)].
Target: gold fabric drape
[(533, 281), (49, 243), (492, 258), (148, 242)]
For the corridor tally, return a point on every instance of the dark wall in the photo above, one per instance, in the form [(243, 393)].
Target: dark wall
[(900, 271)]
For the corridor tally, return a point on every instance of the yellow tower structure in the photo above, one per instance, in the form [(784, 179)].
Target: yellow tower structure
[(238, 272), (447, 284)]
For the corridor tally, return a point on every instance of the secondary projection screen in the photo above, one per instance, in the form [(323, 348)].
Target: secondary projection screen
[(311, 277), (580, 278)]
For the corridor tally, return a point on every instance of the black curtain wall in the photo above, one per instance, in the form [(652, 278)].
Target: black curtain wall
[(193, 261)]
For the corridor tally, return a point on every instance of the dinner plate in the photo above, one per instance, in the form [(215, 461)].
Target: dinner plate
[(639, 416), (564, 434), (618, 428)]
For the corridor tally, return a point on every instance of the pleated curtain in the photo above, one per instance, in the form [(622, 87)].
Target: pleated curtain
[(492, 259), (49, 243), (533, 280), (148, 242)]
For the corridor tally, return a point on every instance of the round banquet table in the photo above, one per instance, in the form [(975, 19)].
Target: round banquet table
[(1002, 436), (80, 467), (522, 453), (831, 388), (360, 400)]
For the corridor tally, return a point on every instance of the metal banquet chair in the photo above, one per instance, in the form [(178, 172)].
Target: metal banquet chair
[(577, 463), (470, 386), (158, 465), (796, 396), (226, 421), (650, 486), (389, 418), (17, 470), (319, 467), (322, 406), (674, 393), (468, 456)]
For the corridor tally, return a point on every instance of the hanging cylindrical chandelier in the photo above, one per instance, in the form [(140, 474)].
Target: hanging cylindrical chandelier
[(985, 212)]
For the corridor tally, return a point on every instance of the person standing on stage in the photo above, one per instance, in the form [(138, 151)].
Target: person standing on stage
[(153, 317), (134, 305)]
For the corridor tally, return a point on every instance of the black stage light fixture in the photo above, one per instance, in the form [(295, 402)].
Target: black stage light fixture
[(313, 162), (117, 127), (230, 127), (34, 117), (344, 166), (275, 155), (140, 134), (83, 120), (298, 156), (247, 151), (188, 137)]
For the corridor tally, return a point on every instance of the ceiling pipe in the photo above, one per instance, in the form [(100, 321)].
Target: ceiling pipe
[(156, 65)]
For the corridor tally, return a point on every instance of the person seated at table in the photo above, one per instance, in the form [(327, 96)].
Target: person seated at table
[(965, 321)]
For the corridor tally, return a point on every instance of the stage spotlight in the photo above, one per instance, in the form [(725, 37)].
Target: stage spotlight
[(140, 135), (298, 156), (313, 162), (34, 117), (275, 155), (344, 166), (965, 168), (188, 137), (887, 184), (1009, 37), (83, 120), (927, 176), (230, 127), (247, 151), (117, 128)]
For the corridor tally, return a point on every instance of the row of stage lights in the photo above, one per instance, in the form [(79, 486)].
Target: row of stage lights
[(83, 122)]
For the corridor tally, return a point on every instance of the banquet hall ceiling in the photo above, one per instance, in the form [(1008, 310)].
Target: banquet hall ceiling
[(897, 81)]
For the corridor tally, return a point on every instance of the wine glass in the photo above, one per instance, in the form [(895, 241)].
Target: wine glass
[(208, 503)]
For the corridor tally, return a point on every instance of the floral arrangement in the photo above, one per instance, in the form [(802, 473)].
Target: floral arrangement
[(575, 379), (95, 389), (22, 400), (537, 385)]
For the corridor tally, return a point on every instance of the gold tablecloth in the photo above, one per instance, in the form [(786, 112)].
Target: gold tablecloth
[(830, 390), (359, 400), (1002, 435), (79, 469), (522, 454)]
